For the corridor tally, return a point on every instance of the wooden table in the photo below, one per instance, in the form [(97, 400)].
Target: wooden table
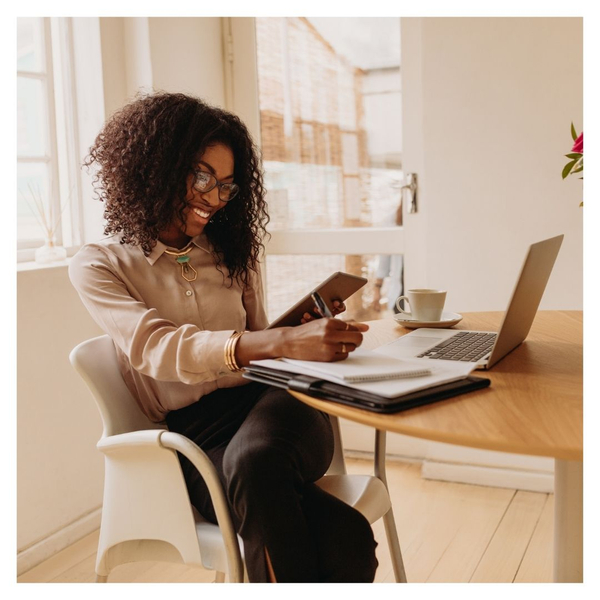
[(533, 406)]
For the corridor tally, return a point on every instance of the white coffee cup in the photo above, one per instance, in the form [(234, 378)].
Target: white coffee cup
[(425, 304)]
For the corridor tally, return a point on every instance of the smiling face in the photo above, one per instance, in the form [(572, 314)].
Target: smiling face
[(202, 206)]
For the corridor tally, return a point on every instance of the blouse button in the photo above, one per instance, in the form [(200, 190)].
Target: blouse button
[(188, 293)]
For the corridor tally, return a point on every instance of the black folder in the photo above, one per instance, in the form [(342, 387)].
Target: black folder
[(326, 390)]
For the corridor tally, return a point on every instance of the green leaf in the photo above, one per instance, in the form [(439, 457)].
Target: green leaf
[(577, 170), (573, 132), (575, 155), (568, 168), (581, 203)]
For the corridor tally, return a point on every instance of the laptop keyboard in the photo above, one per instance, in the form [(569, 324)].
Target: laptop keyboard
[(464, 346)]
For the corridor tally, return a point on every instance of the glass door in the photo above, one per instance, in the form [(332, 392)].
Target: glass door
[(329, 103)]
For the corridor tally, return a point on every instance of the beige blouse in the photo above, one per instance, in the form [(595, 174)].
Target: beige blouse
[(169, 333)]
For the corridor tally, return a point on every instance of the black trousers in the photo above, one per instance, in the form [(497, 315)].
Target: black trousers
[(269, 449)]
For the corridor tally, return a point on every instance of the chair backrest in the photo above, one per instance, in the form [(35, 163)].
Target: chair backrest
[(96, 362)]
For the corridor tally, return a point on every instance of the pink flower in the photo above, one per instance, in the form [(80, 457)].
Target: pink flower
[(578, 145)]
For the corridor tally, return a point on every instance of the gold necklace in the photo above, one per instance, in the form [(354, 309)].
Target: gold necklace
[(183, 259)]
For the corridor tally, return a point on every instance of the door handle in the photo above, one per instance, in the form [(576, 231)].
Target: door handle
[(412, 187)]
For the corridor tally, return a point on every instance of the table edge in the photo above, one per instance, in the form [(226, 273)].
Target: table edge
[(356, 415)]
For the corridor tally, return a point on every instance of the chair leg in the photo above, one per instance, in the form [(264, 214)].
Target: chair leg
[(219, 577), (394, 545), (101, 578)]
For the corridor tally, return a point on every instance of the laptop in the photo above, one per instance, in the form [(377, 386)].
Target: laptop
[(486, 348)]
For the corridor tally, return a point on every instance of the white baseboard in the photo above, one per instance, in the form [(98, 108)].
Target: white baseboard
[(40, 551), (358, 454), (447, 462), (532, 481)]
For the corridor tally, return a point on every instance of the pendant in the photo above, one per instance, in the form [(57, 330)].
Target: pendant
[(187, 271)]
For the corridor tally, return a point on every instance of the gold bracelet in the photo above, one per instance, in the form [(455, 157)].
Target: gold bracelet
[(229, 351), (234, 341)]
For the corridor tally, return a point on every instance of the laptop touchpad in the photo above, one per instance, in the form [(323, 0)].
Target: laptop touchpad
[(417, 341)]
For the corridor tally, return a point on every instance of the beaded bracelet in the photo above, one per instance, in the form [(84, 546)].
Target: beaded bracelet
[(229, 351)]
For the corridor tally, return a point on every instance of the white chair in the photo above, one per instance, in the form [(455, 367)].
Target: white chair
[(147, 514)]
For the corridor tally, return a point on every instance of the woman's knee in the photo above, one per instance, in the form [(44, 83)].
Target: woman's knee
[(251, 460), (279, 436)]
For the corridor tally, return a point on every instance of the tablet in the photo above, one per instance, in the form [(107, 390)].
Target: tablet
[(340, 286)]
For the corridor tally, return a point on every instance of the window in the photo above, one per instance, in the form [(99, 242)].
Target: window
[(330, 128), (47, 179)]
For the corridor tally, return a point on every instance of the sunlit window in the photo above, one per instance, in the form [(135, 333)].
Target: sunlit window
[(34, 151), (330, 110), (46, 163)]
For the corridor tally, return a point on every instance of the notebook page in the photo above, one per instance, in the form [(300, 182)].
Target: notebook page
[(361, 365)]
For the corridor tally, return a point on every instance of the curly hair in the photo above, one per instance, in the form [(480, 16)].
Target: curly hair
[(145, 153)]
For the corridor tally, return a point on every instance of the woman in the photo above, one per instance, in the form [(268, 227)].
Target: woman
[(177, 287)]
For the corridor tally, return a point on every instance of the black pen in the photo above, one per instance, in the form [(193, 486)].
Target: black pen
[(321, 306)]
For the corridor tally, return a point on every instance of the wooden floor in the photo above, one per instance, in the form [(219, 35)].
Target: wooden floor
[(449, 532)]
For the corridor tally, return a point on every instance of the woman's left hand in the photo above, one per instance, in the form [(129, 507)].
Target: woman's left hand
[(338, 307)]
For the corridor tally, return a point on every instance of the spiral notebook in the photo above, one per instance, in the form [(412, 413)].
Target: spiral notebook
[(411, 378), (361, 366)]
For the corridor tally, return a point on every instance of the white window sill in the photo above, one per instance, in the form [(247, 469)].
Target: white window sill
[(25, 260), (33, 266)]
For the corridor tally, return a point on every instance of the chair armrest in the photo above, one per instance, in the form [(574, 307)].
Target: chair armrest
[(162, 438), (205, 467), (145, 437)]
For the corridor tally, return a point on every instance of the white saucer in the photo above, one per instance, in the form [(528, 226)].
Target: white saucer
[(448, 320)]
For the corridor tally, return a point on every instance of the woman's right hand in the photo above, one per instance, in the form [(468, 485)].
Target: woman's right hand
[(325, 340)]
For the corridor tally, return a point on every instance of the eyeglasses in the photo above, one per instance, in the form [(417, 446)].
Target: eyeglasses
[(205, 182)]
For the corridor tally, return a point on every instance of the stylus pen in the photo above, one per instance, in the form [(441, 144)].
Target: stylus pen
[(321, 306)]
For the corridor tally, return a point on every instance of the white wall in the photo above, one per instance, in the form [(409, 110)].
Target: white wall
[(187, 56), (60, 472), (171, 54), (496, 97)]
